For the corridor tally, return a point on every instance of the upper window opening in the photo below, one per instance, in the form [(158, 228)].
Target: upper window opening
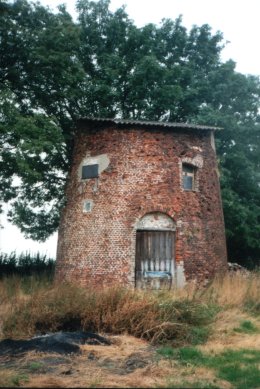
[(89, 171), (188, 177)]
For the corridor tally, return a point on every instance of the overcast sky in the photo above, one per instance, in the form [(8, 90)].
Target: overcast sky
[(238, 20)]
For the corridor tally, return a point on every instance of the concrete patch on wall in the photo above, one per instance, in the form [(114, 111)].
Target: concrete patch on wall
[(195, 161), (212, 140), (101, 160), (179, 224), (156, 221), (180, 275), (87, 206), (196, 148)]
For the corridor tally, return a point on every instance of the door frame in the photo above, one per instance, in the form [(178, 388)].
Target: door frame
[(173, 259)]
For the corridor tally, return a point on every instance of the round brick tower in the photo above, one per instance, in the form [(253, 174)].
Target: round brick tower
[(143, 206)]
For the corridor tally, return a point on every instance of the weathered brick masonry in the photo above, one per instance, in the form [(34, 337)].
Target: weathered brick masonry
[(140, 172)]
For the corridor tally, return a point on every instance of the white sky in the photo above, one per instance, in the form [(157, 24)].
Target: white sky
[(238, 20)]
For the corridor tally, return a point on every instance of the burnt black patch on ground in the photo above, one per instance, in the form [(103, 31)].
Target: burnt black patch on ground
[(60, 342)]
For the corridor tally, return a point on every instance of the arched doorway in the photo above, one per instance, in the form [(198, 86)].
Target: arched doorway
[(154, 260)]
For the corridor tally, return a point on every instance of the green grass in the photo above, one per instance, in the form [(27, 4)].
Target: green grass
[(168, 352), (246, 327), (253, 307), (199, 335), (19, 379), (241, 377), (191, 355), (34, 366), (201, 384), (239, 367)]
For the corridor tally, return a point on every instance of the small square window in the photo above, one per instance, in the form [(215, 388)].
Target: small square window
[(89, 171), (87, 206), (188, 177)]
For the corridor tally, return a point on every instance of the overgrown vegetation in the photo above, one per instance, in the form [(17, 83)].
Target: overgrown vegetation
[(206, 337), (178, 317), (157, 318)]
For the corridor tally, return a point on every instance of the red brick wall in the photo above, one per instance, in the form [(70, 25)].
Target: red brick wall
[(144, 175)]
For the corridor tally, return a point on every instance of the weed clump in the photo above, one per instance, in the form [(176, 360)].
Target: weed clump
[(246, 327)]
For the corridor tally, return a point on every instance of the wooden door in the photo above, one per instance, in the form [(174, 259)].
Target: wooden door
[(154, 266)]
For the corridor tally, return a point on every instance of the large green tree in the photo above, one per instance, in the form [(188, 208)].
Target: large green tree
[(53, 70)]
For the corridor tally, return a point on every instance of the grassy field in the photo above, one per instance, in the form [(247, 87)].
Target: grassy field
[(191, 338)]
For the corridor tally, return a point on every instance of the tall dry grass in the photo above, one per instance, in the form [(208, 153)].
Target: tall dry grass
[(241, 290), (177, 316), (157, 318)]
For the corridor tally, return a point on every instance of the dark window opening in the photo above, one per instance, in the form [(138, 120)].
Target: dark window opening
[(89, 171), (188, 177)]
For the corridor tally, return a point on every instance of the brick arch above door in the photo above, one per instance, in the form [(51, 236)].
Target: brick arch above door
[(156, 221)]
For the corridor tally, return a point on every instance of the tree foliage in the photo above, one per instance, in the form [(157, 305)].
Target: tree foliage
[(53, 70)]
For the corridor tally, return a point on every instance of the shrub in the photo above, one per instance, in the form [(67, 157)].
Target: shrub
[(25, 264)]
